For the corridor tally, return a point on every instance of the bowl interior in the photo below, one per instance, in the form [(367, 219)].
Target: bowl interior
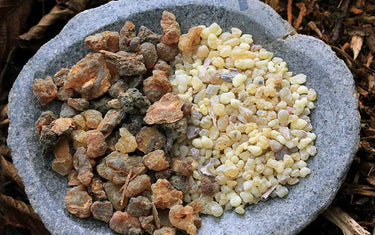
[(333, 122)]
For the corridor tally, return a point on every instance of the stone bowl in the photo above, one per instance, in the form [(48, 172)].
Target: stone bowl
[(335, 119)]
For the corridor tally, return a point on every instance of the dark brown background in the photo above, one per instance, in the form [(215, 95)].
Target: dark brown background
[(346, 25)]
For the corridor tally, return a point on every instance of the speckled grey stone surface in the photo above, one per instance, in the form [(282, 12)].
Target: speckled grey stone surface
[(335, 120)]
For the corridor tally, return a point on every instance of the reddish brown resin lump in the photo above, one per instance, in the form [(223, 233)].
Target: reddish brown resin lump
[(164, 195), (182, 166), (148, 51), (92, 118), (123, 223), (62, 126), (44, 90), (183, 218), (96, 145), (165, 231), (90, 76), (139, 206), (127, 33), (150, 139), (63, 162), (96, 189), (44, 120), (170, 27), (138, 185), (166, 110), (156, 86), (83, 166), (78, 201), (114, 195), (156, 160), (127, 64), (102, 210), (189, 41), (106, 40), (111, 119), (166, 52), (127, 142), (116, 165), (162, 66)]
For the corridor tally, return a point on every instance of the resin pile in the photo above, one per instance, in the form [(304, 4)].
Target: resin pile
[(155, 129)]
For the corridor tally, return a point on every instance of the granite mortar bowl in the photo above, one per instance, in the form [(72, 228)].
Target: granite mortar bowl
[(335, 119)]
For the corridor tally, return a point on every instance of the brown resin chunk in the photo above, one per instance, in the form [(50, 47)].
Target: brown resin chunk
[(134, 102), (61, 76), (182, 166), (79, 138), (62, 126), (139, 206), (44, 120), (150, 139), (164, 195), (123, 223), (189, 41), (162, 66), (114, 195), (96, 189), (96, 145), (110, 121), (127, 33), (146, 35), (90, 77), (127, 142), (183, 218), (147, 223), (67, 111), (138, 185), (165, 231), (166, 52), (116, 165), (156, 160), (209, 187), (156, 86), (83, 166), (78, 201), (73, 179), (170, 27), (44, 90), (166, 110), (106, 40), (64, 94), (63, 162), (78, 104), (92, 118), (148, 51), (127, 64), (102, 210)]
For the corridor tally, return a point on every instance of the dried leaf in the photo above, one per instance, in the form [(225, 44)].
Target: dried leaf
[(13, 16), (370, 39), (313, 26), (356, 45), (19, 214), (10, 171), (355, 10), (302, 13), (38, 31), (290, 14), (344, 221)]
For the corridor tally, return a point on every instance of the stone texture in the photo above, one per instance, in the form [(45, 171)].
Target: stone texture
[(335, 120)]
